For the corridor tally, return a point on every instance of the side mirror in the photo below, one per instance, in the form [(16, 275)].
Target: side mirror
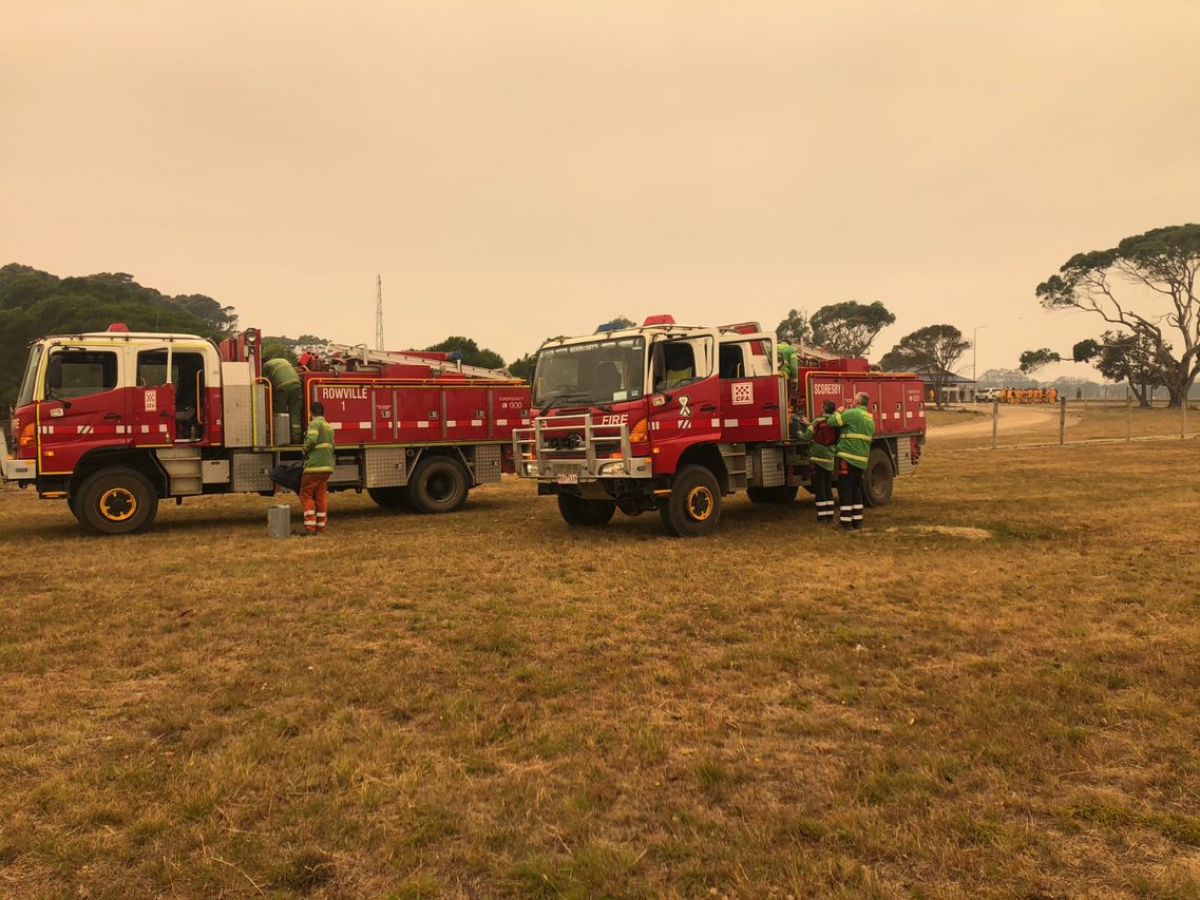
[(661, 398)]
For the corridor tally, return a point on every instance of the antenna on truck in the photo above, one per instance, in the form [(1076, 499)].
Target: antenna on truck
[(378, 312)]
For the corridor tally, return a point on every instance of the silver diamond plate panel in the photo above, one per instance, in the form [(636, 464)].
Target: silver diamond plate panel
[(251, 471), (487, 464), (386, 467)]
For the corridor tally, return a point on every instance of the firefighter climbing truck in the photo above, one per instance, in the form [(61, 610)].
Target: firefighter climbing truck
[(113, 422), (672, 418)]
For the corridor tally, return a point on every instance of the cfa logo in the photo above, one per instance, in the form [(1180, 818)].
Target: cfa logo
[(743, 393), (834, 389)]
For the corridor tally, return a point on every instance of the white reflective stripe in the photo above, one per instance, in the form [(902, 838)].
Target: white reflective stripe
[(731, 423), (845, 519), (766, 420), (502, 421), (857, 506), (524, 421), (716, 423), (162, 428), (145, 429), (364, 424), (424, 423), (335, 425), (451, 423), (322, 515), (476, 423), (921, 414)]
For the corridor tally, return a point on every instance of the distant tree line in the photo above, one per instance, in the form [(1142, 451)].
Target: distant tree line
[(34, 304)]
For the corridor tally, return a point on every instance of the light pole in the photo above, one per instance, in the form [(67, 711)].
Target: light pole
[(975, 358)]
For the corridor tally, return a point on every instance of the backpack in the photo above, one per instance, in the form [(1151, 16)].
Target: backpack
[(824, 433)]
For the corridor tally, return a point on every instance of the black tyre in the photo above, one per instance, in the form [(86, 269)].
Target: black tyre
[(694, 507), (390, 497), (585, 513), (115, 501), (439, 484), (781, 494), (879, 478)]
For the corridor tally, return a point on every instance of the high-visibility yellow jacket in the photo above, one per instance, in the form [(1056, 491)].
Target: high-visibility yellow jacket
[(858, 430), (280, 373), (318, 447)]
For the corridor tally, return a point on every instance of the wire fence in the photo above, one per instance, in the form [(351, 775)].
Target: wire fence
[(997, 425)]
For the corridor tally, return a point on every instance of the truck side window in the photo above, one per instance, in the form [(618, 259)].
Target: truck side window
[(733, 361), (677, 363), (71, 374)]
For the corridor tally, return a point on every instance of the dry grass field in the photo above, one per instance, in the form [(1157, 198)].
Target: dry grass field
[(990, 692)]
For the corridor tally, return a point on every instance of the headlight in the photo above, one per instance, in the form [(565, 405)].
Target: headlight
[(613, 468)]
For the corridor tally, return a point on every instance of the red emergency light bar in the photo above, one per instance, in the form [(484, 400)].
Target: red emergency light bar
[(658, 320)]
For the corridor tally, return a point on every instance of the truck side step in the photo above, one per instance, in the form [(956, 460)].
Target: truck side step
[(183, 468), (734, 457)]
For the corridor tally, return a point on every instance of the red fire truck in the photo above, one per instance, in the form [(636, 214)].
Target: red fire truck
[(112, 422), (674, 418)]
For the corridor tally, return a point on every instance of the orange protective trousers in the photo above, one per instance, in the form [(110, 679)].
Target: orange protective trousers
[(314, 497)]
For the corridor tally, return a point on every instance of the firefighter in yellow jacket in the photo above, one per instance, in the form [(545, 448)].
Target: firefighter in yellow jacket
[(854, 448), (318, 466)]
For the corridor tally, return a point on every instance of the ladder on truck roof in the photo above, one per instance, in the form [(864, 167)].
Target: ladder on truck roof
[(366, 356)]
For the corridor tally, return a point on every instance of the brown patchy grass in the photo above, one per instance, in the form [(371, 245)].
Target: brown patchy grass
[(488, 704)]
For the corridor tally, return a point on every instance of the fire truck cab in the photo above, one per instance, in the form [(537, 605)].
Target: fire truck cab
[(114, 421), (673, 418)]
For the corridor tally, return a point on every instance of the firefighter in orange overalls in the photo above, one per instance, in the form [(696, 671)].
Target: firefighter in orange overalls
[(318, 466)]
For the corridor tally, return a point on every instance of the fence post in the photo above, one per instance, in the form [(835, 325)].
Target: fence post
[(1183, 417), (995, 421), (1128, 414), (1062, 421)]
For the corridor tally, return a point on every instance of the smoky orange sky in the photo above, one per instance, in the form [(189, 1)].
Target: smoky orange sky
[(522, 169)]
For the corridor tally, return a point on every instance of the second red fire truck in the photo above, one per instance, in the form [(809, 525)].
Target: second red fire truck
[(114, 422), (672, 418)]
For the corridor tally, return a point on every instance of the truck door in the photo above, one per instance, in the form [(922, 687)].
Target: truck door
[(151, 412), (82, 406), (685, 407)]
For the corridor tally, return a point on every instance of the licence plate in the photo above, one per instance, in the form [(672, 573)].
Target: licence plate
[(568, 479)]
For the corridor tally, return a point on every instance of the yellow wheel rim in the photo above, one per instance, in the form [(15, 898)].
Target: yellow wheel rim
[(118, 504), (700, 503)]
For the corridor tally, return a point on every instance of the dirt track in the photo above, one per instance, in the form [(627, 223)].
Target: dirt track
[(1012, 418)]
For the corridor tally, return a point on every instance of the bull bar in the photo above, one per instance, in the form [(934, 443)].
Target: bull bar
[(535, 458)]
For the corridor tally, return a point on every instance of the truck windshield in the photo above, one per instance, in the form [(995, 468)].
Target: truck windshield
[(610, 371), (25, 395)]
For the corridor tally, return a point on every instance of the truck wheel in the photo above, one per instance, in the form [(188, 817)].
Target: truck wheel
[(694, 507), (781, 494), (878, 479), (115, 501), (585, 513), (438, 485), (390, 497)]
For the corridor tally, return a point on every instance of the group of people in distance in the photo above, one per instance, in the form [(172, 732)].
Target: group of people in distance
[(1029, 395)]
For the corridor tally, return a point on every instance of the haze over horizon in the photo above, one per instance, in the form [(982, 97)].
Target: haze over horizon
[(520, 170)]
